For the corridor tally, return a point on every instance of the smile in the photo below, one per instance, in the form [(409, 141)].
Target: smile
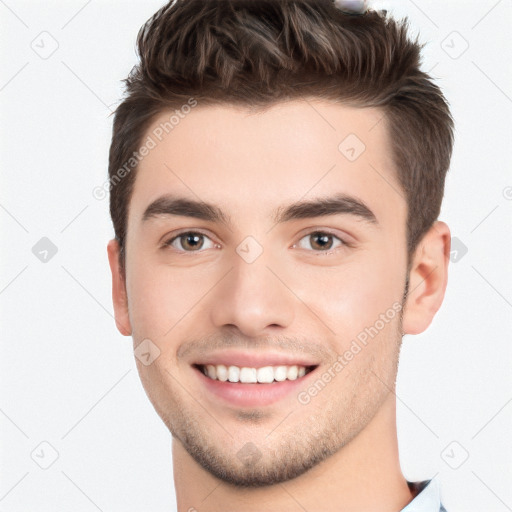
[(246, 386), (248, 375)]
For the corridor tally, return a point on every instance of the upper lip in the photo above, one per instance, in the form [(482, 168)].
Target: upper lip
[(254, 359)]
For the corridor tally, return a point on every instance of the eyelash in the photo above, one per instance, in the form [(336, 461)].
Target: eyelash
[(169, 242)]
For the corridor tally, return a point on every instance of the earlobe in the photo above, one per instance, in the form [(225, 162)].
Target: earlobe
[(119, 295), (428, 278)]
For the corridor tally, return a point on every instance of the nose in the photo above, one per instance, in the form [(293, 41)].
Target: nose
[(254, 298)]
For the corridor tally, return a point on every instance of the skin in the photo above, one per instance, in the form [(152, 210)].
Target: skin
[(338, 452)]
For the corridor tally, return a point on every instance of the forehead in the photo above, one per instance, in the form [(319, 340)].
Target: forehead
[(251, 161)]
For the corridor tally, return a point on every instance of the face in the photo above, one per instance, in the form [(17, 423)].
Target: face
[(270, 239)]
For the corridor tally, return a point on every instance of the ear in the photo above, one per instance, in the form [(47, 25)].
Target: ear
[(428, 278), (119, 296)]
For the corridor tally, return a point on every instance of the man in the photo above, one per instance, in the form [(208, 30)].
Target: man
[(276, 173)]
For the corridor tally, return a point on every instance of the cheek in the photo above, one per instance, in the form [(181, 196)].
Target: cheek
[(350, 298), (162, 300), (149, 296)]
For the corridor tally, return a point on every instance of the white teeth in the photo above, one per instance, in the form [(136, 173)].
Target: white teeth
[(280, 373), (247, 375), (211, 371), (265, 374), (292, 373), (233, 374), (222, 373)]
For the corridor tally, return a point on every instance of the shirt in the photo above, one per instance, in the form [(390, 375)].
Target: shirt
[(428, 498)]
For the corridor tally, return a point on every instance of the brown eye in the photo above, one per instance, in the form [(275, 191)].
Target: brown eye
[(190, 241), (321, 241)]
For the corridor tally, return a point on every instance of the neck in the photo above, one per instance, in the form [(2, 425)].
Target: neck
[(363, 475)]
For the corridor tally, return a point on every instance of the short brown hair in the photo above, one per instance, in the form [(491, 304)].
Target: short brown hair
[(255, 53)]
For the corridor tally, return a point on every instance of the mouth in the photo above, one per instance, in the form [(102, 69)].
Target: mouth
[(254, 375), (258, 386)]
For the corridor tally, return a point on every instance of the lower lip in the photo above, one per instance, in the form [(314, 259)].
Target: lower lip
[(254, 394)]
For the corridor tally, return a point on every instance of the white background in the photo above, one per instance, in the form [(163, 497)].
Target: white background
[(68, 378)]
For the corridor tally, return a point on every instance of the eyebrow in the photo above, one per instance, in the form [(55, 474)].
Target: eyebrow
[(169, 205)]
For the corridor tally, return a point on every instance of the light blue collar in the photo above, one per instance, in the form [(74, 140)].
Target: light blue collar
[(428, 499)]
